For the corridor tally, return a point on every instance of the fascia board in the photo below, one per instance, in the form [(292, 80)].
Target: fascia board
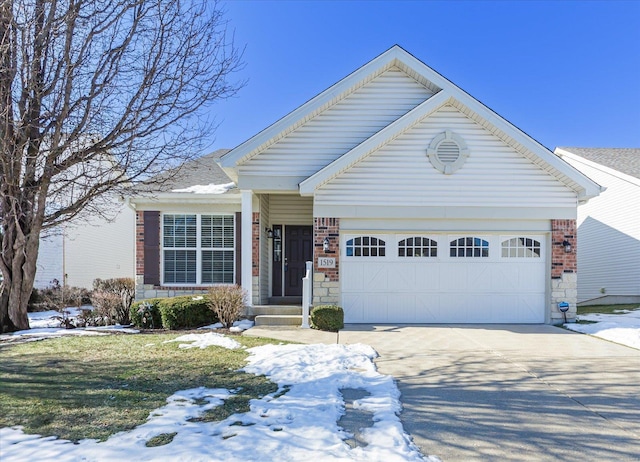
[(308, 186), (596, 165), (234, 157)]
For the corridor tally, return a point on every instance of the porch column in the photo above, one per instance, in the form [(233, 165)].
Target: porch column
[(247, 246)]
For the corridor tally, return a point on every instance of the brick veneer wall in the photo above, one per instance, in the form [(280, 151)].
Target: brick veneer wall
[(561, 261), (326, 281), (564, 268), (139, 243), (255, 244)]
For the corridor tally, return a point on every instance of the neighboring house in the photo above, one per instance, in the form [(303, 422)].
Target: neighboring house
[(415, 202), (88, 249), (609, 225)]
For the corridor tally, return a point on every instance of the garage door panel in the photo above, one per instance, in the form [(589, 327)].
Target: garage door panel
[(427, 308), (445, 289), (375, 276)]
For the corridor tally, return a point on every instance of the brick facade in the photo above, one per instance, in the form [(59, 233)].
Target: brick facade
[(564, 277), (561, 261), (255, 244), (139, 243), (327, 228), (326, 281)]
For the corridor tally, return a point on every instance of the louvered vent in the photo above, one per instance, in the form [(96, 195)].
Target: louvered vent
[(448, 152)]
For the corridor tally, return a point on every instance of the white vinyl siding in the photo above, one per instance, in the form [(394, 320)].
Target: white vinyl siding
[(400, 174), (609, 236), (443, 289), (290, 209), (341, 127), (198, 249)]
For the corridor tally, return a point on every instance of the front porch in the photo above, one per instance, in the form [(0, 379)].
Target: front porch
[(283, 236)]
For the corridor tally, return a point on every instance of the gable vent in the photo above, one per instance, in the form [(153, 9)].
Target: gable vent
[(447, 152)]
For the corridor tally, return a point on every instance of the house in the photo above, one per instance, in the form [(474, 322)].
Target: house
[(608, 225), (414, 201), (80, 251)]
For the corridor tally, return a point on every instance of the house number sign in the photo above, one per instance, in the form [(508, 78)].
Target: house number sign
[(326, 262)]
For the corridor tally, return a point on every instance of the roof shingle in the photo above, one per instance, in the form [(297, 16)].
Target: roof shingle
[(625, 160)]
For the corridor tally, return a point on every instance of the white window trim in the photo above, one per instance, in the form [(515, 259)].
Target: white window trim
[(198, 250)]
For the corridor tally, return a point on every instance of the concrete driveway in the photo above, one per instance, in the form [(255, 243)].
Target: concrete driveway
[(505, 392)]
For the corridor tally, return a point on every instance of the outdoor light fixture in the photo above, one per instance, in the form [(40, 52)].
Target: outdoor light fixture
[(269, 232), (325, 244), (567, 246)]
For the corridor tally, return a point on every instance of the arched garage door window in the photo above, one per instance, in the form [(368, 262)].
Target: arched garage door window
[(365, 246), (473, 247), (521, 247), (417, 247)]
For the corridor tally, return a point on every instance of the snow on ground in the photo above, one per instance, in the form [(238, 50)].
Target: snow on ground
[(207, 188), (299, 423), (238, 326), (46, 324), (623, 328), (205, 340)]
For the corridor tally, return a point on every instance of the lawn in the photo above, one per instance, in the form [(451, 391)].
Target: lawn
[(606, 309), (93, 387)]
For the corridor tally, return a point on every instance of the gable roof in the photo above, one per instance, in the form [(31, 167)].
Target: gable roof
[(624, 160), (445, 92)]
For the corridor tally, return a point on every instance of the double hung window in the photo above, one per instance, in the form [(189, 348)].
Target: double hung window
[(198, 249)]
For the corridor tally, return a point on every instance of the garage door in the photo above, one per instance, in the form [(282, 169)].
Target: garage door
[(471, 278)]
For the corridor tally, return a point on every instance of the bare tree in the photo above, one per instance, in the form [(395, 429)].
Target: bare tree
[(96, 96)]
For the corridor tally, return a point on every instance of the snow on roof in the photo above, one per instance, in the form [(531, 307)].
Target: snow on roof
[(210, 188)]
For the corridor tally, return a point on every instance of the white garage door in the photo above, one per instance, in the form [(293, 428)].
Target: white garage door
[(471, 278)]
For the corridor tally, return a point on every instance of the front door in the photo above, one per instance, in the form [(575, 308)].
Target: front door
[(298, 249)]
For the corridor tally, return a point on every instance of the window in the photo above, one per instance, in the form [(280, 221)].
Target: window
[(521, 247), (365, 246), (198, 249), (447, 152), (417, 247), (469, 247)]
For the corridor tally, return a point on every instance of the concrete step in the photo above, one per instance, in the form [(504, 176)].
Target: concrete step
[(274, 310), (278, 320)]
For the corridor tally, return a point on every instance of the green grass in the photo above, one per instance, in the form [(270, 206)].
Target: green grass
[(606, 309), (93, 387)]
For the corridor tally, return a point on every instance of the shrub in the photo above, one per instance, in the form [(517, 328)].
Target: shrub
[(112, 298), (146, 318), (57, 297), (185, 312), (327, 317), (227, 302)]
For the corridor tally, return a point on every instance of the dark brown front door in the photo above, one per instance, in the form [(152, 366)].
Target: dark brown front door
[(298, 249)]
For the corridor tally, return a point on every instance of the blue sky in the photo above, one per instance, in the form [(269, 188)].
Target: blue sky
[(567, 73)]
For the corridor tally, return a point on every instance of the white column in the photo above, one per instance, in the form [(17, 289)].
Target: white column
[(247, 247)]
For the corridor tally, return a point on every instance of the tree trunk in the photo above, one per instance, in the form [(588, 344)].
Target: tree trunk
[(18, 281)]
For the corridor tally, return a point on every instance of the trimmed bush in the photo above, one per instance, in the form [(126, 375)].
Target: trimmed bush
[(227, 302), (149, 320), (185, 312), (327, 317), (112, 299)]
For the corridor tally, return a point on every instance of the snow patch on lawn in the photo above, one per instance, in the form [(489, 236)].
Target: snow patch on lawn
[(298, 423), (621, 328), (205, 340)]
